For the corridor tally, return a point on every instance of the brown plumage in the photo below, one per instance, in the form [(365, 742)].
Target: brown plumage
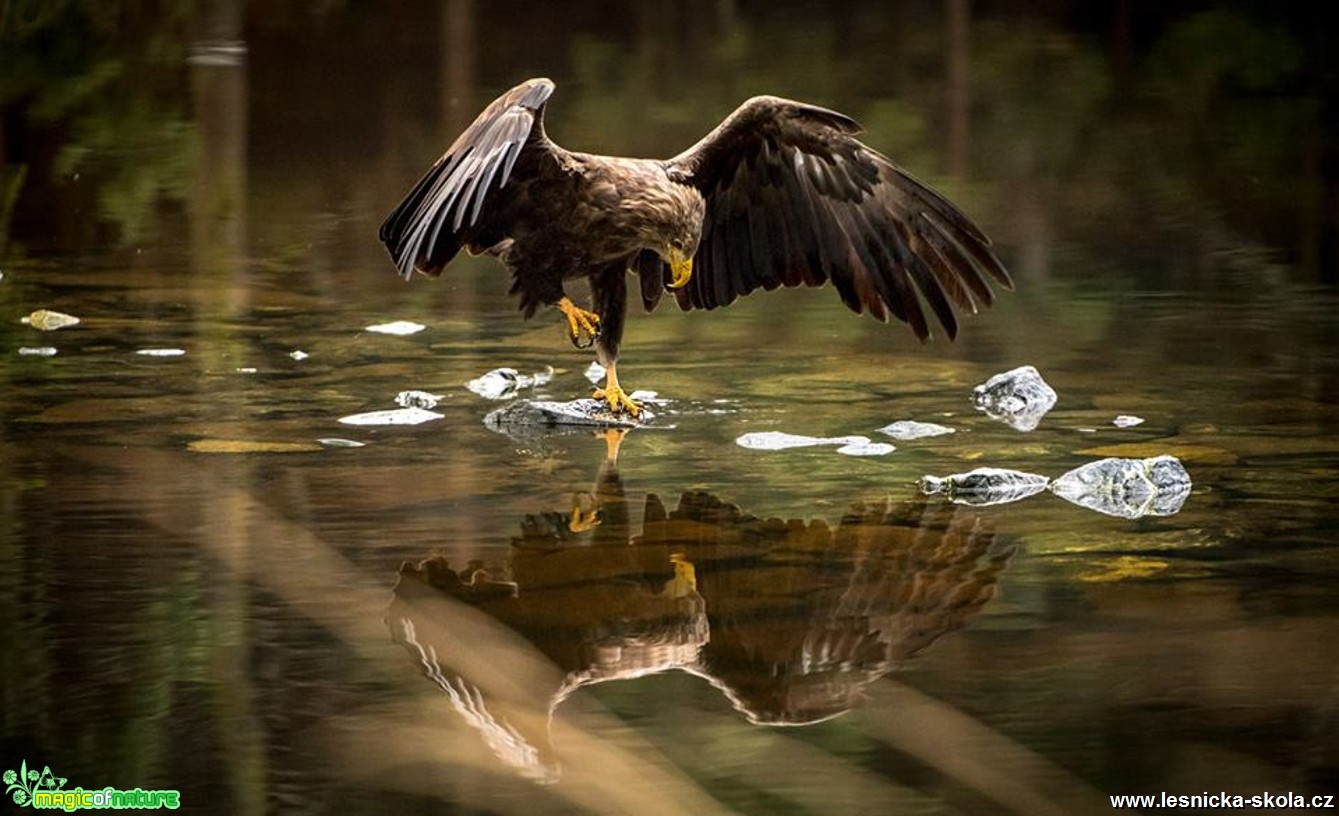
[(780, 194)]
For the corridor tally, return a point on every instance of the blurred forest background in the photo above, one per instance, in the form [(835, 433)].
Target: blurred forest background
[(1126, 131)]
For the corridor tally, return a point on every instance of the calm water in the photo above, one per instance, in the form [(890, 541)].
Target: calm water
[(201, 595)]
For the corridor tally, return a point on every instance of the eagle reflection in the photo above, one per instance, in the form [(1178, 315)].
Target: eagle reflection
[(789, 619)]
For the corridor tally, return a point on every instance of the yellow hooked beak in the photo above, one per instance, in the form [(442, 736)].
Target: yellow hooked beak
[(681, 268)]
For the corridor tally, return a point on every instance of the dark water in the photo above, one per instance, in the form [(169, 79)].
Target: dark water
[(200, 595)]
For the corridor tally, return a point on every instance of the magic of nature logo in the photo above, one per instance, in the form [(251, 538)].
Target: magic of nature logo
[(46, 791)]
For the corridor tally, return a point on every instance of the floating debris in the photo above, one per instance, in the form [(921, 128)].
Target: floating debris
[(417, 399), (37, 351), (47, 320), (1127, 421), (524, 417), (1127, 488), (246, 370), (399, 328), (643, 396), (861, 446), (595, 372), (501, 383), (398, 416), (248, 446), (161, 352), (779, 440), (1019, 398), (905, 430), (984, 486), (336, 442), (298, 354)]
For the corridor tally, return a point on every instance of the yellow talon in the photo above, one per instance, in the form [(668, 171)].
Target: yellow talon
[(618, 399), (580, 323)]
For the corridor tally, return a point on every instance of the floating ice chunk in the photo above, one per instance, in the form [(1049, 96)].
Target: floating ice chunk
[(399, 328), (47, 320), (1127, 488), (501, 383), (399, 416), (1127, 421), (37, 351), (246, 370), (161, 352), (594, 372), (417, 399), (905, 430), (642, 395), (864, 447), (984, 486), (779, 440), (1019, 398), (337, 442), (298, 354)]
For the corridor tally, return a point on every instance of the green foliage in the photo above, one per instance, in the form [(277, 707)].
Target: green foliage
[(110, 78)]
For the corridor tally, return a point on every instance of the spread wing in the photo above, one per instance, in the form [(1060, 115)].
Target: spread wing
[(793, 198), (443, 211)]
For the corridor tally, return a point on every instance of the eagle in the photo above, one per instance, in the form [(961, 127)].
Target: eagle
[(781, 193)]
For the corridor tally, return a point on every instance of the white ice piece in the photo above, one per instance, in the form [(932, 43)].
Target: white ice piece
[(398, 416)]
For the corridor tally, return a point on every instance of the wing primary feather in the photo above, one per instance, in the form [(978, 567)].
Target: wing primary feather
[(818, 236), (948, 280), (954, 256), (761, 235), (932, 199), (846, 267), (931, 291), (885, 275), (469, 187), (896, 237), (737, 255), (720, 258), (489, 173)]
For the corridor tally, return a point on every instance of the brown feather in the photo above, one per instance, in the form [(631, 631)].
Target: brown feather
[(821, 206)]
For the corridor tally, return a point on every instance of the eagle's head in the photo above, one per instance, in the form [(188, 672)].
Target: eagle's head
[(668, 221)]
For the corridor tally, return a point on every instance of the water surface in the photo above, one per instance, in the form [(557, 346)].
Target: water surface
[(201, 594)]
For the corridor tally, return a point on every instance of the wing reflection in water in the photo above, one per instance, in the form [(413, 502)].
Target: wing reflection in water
[(790, 619)]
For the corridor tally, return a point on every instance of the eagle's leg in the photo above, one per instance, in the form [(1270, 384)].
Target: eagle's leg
[(610, 291), (612, 393), (581, 324)]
